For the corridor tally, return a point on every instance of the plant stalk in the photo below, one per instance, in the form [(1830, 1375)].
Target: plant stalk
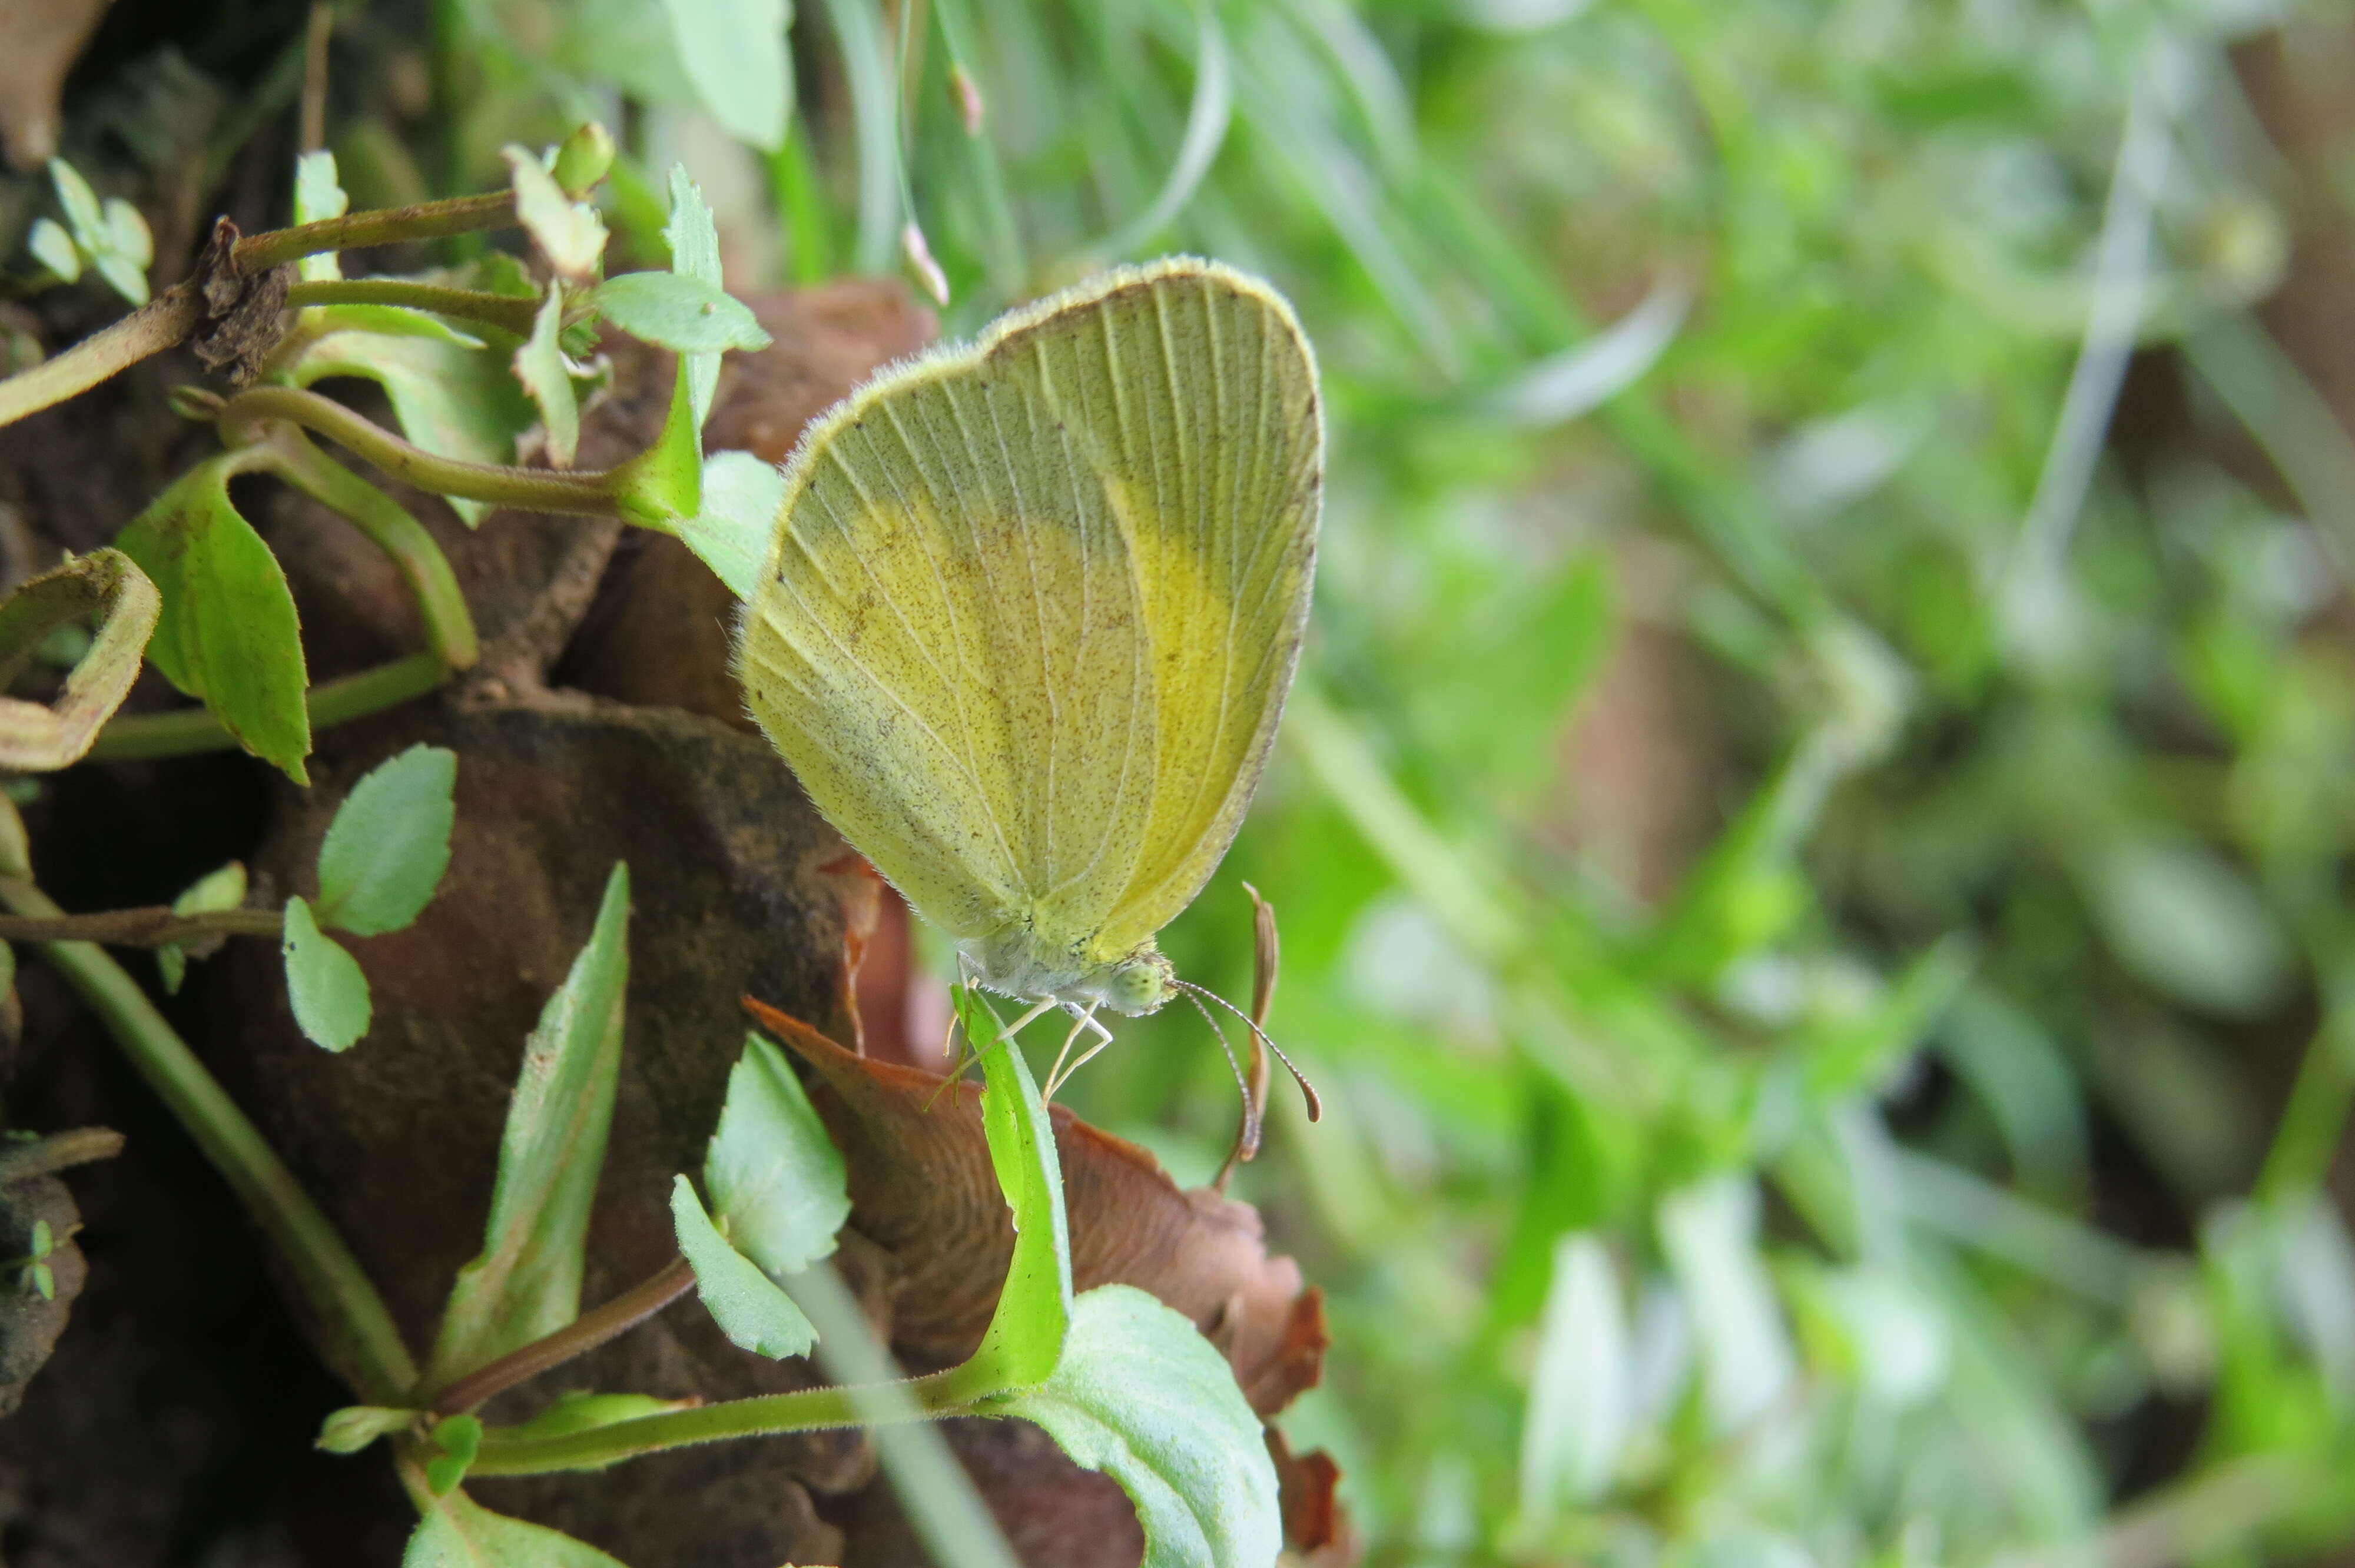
[(578, 1338), (187, 731), (580, 494), (149, 925), (509, 312)]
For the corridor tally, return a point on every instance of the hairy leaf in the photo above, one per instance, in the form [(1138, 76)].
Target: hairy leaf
[(774, 1176), (354, 1426), (385, 851), (1025, 1338), (1142, 1397), (678, 312), (568, 232), (108, 584), (526, 1282), (693, 253), (459, 1532), (749, 1307)]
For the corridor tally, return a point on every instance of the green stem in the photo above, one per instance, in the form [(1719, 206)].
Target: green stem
[(578, 494), (764, 1415), (440, 605), (507, 312), (161, 323), (259, 253), (356, 1332), (187, 731)]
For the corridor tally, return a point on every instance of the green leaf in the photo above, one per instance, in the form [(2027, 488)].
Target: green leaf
[(354, 1426), (219, 889), (460, 1439), (2189, 922), (749, 1306), (449, 394), (583, 158), (227, 631), (126, 276), (54, 249), (526, 1282), (569, 233), (678, 312), (539, 365), (693, 253), (44, 1281), (45, 1240), (1142, 1397), (734, 52), (385, 851), (742, 496), (458, 1533), (775, 1176), (319, 195), (1024, 1338), (84, 215), (324, 983)]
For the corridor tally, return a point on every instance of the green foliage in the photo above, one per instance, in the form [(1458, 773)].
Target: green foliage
[(750, 1308), (734, 53), (389, 842), (526, 1281), (111, 238), (677, 312), (222, 888), (324, 983), (228, 631), (458, 1533), (568, 232), (1026, 1335), (779, 1186), (694, 243), (1142, 1397), (354, 1426), (742, 498), (546, 378), (774, 1175)]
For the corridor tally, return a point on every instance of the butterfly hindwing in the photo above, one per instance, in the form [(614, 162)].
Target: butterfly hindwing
[(1033, 605)]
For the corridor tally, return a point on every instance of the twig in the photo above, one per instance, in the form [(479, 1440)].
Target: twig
[(584, 1334), (580, 493), (356, 1333), (162, 323), (59, 1151), (149, 925)]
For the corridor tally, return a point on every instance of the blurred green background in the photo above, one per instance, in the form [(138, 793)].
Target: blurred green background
[(1810, 837)]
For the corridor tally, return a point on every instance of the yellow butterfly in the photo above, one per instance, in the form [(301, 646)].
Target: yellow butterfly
[(1031, 610)]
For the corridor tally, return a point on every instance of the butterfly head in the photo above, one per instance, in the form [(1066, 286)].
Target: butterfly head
[(1140, 982)]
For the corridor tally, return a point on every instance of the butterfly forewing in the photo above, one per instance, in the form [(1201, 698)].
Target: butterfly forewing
[(1034, 605)]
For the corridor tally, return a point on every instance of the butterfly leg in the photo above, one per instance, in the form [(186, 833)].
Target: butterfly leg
[(1006, 1034), (1062, 1074)]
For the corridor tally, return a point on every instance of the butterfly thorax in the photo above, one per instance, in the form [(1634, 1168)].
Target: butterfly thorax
[(1013, 962)]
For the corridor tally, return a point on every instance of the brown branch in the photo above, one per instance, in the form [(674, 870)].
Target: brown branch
[(150, 926), (584, 1334), (59, 1151)]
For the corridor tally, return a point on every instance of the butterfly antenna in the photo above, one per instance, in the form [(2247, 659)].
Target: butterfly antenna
[(1307, 1089), (1242, 1086)]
